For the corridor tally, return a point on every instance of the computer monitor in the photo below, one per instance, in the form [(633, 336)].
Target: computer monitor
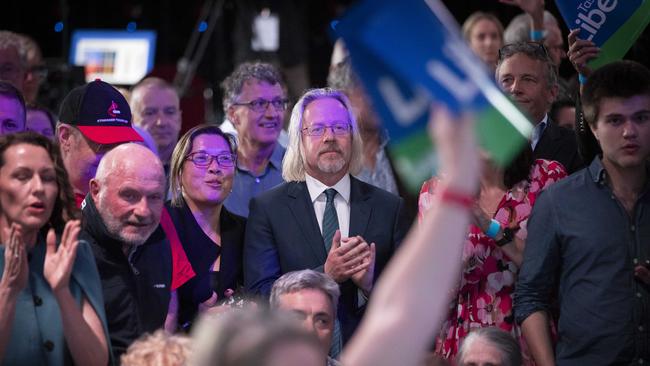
[(115, 56)]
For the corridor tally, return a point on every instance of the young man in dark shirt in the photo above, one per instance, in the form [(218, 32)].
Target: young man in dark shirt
[(591, 231)]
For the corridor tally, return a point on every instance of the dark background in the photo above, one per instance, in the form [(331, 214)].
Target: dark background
[(175, 20)]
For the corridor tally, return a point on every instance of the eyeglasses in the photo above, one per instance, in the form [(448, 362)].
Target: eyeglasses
[(530, 47), (203, 160), (260, 105), (338, 129)]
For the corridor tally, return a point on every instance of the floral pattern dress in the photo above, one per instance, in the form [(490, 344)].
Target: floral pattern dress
[(484, 296)]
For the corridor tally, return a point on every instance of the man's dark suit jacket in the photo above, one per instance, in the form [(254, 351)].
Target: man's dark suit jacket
[(559, 144), (282, 235)]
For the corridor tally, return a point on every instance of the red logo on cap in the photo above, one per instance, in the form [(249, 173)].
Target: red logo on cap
[(112, 110)]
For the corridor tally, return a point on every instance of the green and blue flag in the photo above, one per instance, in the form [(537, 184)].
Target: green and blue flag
[(408, 54), (613, 25)]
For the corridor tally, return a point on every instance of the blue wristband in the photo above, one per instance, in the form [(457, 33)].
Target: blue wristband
[(537, 34), (493, 229), (582, 79)]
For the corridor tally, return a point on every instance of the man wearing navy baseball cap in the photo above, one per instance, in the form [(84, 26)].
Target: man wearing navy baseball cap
[(94, 118)]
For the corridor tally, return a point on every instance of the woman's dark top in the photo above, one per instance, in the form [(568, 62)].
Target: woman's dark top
[(202, 252)]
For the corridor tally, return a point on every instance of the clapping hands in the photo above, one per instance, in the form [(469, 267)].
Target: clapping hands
[(60, 261)]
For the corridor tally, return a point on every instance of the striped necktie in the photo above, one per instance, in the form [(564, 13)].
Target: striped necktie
[(330, 219)]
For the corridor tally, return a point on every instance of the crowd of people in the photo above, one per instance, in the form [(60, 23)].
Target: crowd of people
[(284, 236)]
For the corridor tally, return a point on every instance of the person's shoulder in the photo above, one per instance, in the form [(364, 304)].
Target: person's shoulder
[(279, 192)]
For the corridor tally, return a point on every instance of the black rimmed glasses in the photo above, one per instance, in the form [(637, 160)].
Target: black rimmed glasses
[(529, 47), (260, 105), (338, 129), (202, 159)]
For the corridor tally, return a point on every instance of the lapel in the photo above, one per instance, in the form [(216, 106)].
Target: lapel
[(305, 218), (360, 207)]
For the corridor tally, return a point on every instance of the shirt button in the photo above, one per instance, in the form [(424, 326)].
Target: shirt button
[(38, 301), (640, 361), (641, 328), (635, 261), (639, 295), (48, 345), (632, 228), (257, 180)]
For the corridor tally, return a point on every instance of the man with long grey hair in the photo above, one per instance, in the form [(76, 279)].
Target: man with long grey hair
[(323, 218)]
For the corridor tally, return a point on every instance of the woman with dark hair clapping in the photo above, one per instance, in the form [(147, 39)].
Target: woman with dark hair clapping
[(51, 307)]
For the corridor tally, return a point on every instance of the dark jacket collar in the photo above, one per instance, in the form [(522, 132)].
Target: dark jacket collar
[(93, 225)]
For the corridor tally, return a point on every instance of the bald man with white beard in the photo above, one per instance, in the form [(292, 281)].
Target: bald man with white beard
[(120, 220)]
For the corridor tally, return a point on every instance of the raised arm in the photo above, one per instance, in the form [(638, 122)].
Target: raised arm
[(82, 328), (14, 280), (410, 299), (534, 9)]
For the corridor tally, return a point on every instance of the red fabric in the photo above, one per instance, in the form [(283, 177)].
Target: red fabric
[(78, 199), (110, 134), (181, 268), (485, 289)]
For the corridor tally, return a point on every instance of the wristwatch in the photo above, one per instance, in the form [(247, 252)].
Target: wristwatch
[(507, 236)]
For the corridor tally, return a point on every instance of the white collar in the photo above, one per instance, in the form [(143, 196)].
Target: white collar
[(316, 187), (544, 121)]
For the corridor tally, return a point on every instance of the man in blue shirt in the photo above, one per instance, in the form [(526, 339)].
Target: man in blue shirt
[(255, 103), (591, 233)]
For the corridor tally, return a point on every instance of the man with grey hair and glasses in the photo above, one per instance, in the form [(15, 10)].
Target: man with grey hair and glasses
[(323, 218), (255, 102), (526, 72), (312, 296)]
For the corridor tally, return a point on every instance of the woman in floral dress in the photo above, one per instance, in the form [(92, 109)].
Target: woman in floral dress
[(484, 296)]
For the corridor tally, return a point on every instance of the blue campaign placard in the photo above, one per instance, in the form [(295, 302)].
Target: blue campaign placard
[(409, 54), (408, 50), (404, 109), (598, 20)]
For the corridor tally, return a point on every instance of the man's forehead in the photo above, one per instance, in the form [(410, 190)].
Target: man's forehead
[(310, 296), (625, 106), (325, 110), (145, 181), (257, 86), (521, 63)]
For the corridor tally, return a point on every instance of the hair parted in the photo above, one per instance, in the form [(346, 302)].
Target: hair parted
[(533, 50), (503, 341), (64, 204), (293, 164), (302, 280)]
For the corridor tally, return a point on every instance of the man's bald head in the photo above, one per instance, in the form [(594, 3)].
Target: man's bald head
[(129, 191), (130, 158)]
